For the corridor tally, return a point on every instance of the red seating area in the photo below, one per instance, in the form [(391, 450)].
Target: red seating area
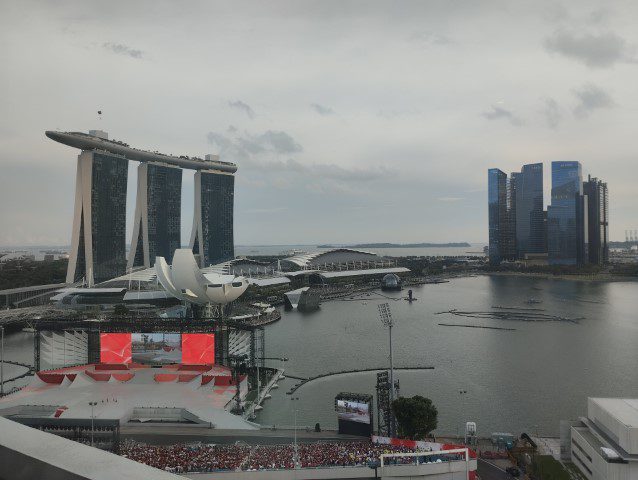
[(195, 368), (123, 377), (111, 366), (165, 377), (55, 378), (98, 377), (224, 381)]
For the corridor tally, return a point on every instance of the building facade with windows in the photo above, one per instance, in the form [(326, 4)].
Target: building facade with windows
[(98, 243), (212, 238), (497, 214), (158, 210), (595, 192), (566, 239), (99, 223), (604, 445), (529, 218)]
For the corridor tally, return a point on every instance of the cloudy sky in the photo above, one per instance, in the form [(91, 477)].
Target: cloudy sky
[(350, 121)]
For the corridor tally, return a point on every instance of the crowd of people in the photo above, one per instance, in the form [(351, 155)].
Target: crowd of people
[(187, 458), (344, 454), (208, 458)]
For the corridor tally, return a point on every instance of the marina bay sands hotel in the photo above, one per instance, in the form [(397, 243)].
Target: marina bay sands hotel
[(98, 244)]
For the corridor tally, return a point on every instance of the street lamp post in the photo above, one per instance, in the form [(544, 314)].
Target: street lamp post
[(2, 363), (462, 394), (93, 404), (296, 459)]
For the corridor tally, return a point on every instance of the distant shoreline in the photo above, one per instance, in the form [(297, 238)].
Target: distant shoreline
[(577, 277), (400, 245)]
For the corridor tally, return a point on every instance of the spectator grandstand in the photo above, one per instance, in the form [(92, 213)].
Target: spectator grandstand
[(211, 458)]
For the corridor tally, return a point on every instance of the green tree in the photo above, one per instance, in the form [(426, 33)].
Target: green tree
[(416, 416), (120, 310)]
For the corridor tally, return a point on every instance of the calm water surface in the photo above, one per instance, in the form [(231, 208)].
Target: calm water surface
[(522, 380)]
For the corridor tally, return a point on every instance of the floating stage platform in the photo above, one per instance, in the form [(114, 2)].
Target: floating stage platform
[(131, 394)]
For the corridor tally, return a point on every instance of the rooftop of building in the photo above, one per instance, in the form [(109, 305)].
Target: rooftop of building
[(98, 140)]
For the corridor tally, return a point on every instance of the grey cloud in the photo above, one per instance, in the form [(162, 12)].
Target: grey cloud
[(595, 51), (498, 113), (243, 145), (430, 38), (321, 110), (599, 15), (255, 152), (121, 49), (590, 98), (552, 112), (244, 107)]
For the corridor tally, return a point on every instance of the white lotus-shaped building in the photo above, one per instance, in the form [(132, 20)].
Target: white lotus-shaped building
[(184, 280)]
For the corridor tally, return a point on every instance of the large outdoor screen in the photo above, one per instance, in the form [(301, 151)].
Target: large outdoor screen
[(353, 411), (198, 348), (157, 348), (115, 347)]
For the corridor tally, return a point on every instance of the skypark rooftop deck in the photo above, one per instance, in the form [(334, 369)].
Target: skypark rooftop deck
[(85, 141)]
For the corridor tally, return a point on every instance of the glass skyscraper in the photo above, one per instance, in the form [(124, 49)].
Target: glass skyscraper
[(212, 237), (497, 214), (565, 219), (529, 218), (157, 227), (597, 211), (99, 222)]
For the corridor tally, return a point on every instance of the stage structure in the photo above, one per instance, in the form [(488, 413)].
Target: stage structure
[(354, 413), (84, 338)]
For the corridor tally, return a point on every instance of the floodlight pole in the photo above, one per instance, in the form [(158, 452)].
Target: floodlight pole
[(2, 363), (386, 318), (93, 404)]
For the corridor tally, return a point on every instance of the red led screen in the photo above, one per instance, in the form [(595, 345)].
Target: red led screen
[(198, 348), (115, 348)]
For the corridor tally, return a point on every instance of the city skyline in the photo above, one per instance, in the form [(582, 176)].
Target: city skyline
[(323, 142)]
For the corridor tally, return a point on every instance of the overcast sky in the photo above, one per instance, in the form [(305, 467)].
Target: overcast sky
[(350, 121)]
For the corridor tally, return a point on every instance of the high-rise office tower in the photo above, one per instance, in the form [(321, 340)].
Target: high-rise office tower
[(156, 227), (497, 214), (98, 239), (597, 215), (530, 232), (212, 234), (565, 220), (99, 221)]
